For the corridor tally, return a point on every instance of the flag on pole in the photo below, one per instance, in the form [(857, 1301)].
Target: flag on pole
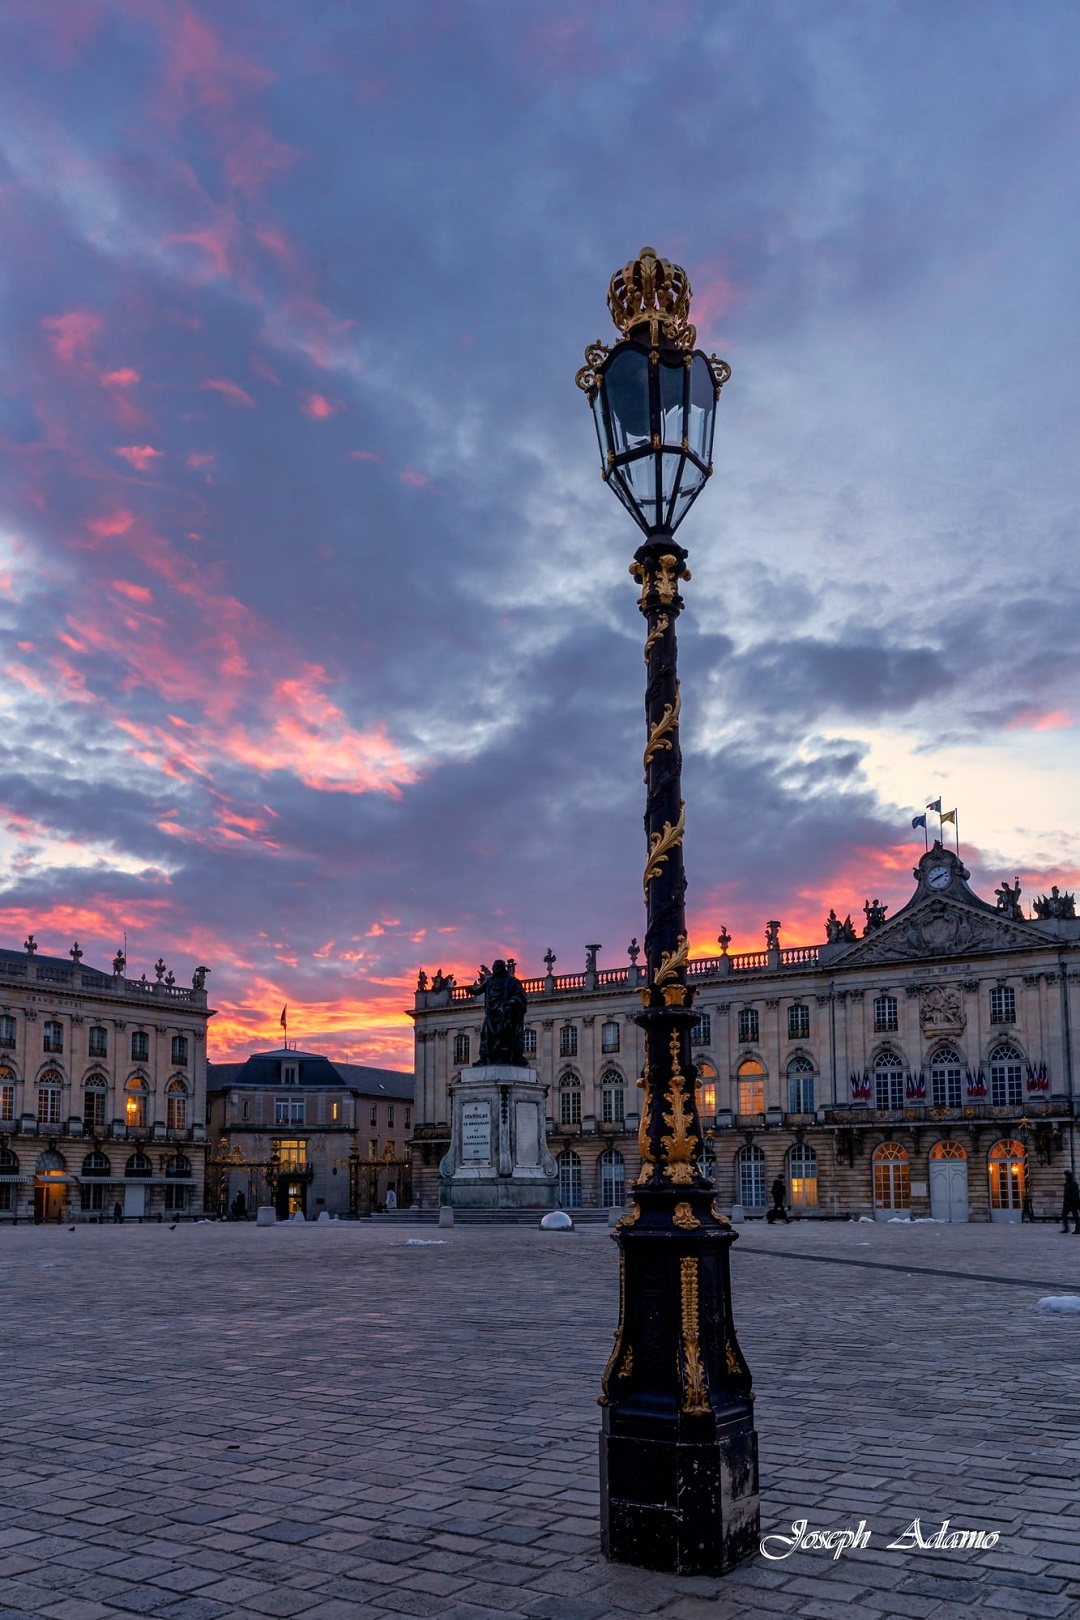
[(949, 815), (936, 807), (918, 821), (283, 1020)]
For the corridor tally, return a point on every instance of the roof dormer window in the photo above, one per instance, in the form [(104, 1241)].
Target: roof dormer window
[(290, 1074)]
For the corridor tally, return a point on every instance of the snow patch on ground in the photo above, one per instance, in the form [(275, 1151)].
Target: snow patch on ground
[(1062, 1304), (423, 1243)]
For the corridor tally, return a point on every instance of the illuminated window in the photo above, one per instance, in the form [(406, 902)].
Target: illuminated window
[(800, 1079), (706, 1089), (751, 1088), (609, 1036), (1003, 1005), (568, 1041), (798, 1022), (7, 1030), (176, 1105), (135, 1103), (292, 1155), (48, 1105), (569, 1179), (461, 1048), (802, 1176), (886, 1015), (98, 1042), (140, 1046), (701, 1030), (1007, 1167), (179, 1051), (335, 1112), (750, 1167), (54, 1036), (1005, 1077), (569, 1100), (7, 1096), (946, 1073), (529, 1043), (892, 1177), (748, 1024), (613, 1099), (888, 1081), (612, 1179), (94, 1100)]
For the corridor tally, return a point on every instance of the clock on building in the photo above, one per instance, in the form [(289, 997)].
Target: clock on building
[(938, 877)]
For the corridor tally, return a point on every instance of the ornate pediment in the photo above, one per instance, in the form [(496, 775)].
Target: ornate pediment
[(936, 927)]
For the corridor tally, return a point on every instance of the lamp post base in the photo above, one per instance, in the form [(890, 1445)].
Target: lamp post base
[(679, 1494)]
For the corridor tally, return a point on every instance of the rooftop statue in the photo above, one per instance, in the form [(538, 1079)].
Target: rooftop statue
[(875, 915), (1055, 904), (837, 932), (502, 1037), (1008, 899)]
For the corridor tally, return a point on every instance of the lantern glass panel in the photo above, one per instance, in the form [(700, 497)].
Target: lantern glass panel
[(626, 385), (702, 409), (640, 477), (671, 401)]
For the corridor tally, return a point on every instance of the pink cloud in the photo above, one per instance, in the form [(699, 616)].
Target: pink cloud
[(116, 523), (136, 593), (139, 455), (318, 406), (72, 334), (416, 479), (261, 369), (363, 455), (200, 458), (1034, 719), (228, 390), (124, 378)]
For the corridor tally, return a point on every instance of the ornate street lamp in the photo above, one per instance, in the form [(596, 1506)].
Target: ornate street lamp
[(678, 1471)]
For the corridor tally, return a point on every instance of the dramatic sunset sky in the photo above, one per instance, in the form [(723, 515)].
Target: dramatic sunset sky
[(320, 656)]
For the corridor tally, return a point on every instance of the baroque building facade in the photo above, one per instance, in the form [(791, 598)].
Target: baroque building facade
[(305, 1135), (924, 1068), (102, 1090)]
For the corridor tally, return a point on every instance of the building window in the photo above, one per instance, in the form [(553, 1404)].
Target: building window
[(886, 1017), (1003, 1005), (176, 1105), (612, 1179), (179, 1165), (751, 1088), (94, 1107), (889, 1080), (373, 1116), (389, 1116), (529, 1042), (1007, 1168), (461, 1048), (701, 1030), (569, 1100), (706, 1090), (748, 1024), (54, 1036), (179, 1051), (135, 1103), (569, 1179), (892, 1177), (408, 1119), (613, 1103), (99, 1041), (798, 1022), (373, 1148), (7, 1099), (140, 1046), (292, 1155), (96, 1164), (138, 1165), (802, 1177), (946, 1073), (288, 1110), (7, 1030), (750, 1165), (335, 1112), (1005, 1076), (290, 1074), (48, 1105), (568, 1041), (609, 1036), (800, 1081), (92, 1197), (177, 1199)]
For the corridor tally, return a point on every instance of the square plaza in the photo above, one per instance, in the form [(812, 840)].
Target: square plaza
[(338, 1421)]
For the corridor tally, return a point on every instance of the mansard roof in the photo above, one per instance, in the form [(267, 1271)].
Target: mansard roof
[(944, 917), (262, 1070)]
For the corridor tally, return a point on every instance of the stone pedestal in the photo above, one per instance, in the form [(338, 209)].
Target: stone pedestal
[(498, 1156)]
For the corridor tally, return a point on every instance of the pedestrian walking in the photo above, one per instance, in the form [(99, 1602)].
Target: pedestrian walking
[(779, 1202), (1070, 1204), (118, 1211)]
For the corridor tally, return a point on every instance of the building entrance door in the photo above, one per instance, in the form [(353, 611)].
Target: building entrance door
[(49, 1196), (291, 1198), (134, 1201), (948, 1182)]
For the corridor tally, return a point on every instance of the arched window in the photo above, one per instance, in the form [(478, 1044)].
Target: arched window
[(50, 1094), (138, 1165), (569, 1099), (1008, 1176), (178, 1192), (888, 1081), (178, 1165), (135, 1102), (94, 1168), (94, 1101), (802, 1176), (800, 1084), (461, 1047), (9, 1163), (946, 1072), (569, 1179), (750, 1174), (609, 1036), (612, 1179), (1005, 1076), (54, 1036), (7, 1094), (892, 1177), (751, 1087), (947, 1150), (706, 1089), (98, 1041), (613, 1099), (96, 1164), (176, 1105)]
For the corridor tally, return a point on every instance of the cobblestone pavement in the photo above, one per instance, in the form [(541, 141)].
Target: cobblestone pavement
[(331, 1422)]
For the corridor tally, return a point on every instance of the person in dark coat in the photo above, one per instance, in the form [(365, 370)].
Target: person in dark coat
[(1070, 1204), (779, 1202)]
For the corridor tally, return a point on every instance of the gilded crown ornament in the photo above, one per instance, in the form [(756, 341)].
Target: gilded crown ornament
[(655, 290)]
